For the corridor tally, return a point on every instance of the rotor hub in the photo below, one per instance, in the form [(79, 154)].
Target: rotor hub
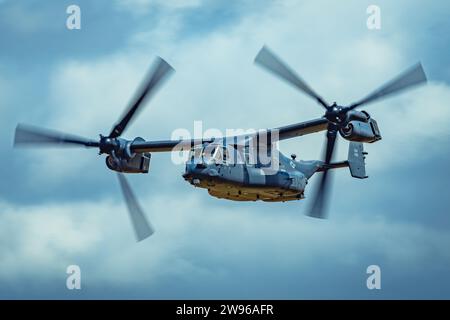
[(108, 145), (335, 114)]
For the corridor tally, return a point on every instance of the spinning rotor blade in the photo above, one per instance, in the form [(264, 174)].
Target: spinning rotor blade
[(142, 227), (411, 77), (269, 61), (322, 191), (159, 72), (30, 135)]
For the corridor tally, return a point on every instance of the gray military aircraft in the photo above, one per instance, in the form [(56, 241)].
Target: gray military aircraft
[(236, 167)]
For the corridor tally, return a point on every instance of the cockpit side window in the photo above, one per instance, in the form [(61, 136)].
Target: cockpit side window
[(209, 153), (217, 155), (206, 154)]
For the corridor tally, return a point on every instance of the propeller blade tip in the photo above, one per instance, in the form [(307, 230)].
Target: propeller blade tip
[(160, 60), (142, 237), (424, 75)]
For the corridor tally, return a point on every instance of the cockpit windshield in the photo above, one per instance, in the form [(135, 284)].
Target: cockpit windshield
[(213, 153), (231, 154)]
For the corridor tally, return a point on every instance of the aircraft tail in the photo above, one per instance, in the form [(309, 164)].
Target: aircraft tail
[(356, 160)]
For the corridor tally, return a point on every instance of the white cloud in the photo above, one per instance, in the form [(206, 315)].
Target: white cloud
[(197, 244), (41, 237)]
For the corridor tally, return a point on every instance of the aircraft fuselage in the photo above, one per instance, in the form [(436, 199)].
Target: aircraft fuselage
[(243, 182)]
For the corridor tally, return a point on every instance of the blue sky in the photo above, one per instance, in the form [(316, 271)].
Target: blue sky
[(62, 207)]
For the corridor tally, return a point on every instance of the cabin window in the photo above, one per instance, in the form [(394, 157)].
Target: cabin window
[(225, 154)]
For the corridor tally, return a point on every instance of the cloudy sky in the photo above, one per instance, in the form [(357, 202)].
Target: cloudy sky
[(63, 207)]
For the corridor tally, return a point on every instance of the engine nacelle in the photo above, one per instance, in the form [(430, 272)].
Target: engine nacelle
[(360, 127), (140, 163), (123, 160), (356, 115)]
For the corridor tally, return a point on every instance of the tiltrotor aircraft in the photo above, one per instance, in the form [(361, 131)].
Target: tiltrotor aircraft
[(227, 167)]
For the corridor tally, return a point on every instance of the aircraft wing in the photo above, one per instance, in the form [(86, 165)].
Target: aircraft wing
[(285, 132), (165, 145), (302, 128)]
